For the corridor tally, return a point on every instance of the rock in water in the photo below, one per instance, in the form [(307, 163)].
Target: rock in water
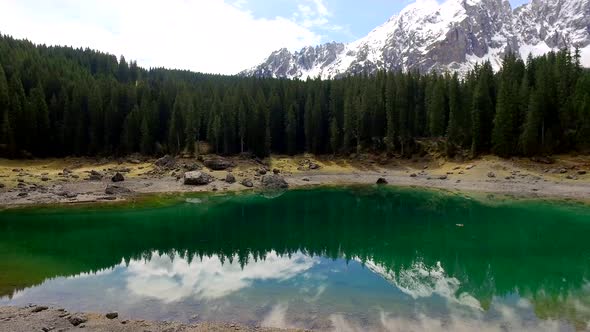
[(274, 181), (217, 164), (112, 315), (247, 183), (40, 308), (77, 320), (230, 178), (491, 175), (197, 178), (116, 190), (382, 181), (118, 177)]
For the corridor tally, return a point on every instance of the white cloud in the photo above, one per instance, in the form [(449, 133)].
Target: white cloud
[(217, 36), (314, 14)]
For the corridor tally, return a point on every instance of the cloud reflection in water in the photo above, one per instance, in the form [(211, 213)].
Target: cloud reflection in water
[(170, 280)]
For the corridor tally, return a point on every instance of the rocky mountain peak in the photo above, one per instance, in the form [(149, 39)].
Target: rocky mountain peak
[(450, 36)]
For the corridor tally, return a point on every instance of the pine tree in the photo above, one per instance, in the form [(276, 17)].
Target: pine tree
[(95, 110), (8, 136), (4, 101), (334, 135), (190, 130), (308, 121), (242, 125), (437, 109), (529, 139), (146, 139), (40, 114), (391, 111), (457, 119), (481, 115), (291, 129)]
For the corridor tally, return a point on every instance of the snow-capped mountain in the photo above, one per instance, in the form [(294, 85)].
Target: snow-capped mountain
[(450, 36)]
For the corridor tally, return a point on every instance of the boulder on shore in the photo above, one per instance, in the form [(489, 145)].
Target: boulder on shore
[(197, 178), (274, 181), (112, 315), (117, 190), (247, 183), (95, 176), (166, 162), (77, 319), (382, 181), (217, 164), (118, 177), (230, 178)]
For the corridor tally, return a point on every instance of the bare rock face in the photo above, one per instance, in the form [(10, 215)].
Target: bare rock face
[(197, 178), (218, 164), (274, 181)]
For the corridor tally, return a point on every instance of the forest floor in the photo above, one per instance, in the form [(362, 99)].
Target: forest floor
[(84, 180), (38, 318)]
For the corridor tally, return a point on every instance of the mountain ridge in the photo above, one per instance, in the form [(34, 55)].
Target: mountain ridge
[(450, 36)]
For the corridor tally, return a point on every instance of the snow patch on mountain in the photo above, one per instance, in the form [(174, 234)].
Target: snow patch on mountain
[(451, 36)]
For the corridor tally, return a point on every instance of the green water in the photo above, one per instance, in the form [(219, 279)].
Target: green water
[(329, 259)]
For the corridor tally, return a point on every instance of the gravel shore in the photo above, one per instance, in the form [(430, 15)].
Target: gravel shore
[(44, 319), (84, 181)]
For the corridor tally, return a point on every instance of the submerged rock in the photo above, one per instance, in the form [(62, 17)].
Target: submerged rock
[(197, 178), (274, 181)]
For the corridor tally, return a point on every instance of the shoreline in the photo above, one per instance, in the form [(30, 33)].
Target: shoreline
[(45, 318), (43, 182)]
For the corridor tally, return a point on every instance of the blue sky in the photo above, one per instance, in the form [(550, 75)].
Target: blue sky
[(213, 36), (355, 18)]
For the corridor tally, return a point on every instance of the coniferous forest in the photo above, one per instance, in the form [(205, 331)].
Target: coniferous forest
[(60, 101)]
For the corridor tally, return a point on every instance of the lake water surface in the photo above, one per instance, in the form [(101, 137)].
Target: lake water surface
[(347, 259)]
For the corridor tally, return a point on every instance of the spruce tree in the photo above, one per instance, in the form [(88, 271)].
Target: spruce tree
[(291, 129)]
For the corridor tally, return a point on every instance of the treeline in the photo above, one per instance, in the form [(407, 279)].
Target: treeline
[(58, 101)]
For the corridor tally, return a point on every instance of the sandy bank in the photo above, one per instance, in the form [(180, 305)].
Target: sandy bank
[(85, 180)]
